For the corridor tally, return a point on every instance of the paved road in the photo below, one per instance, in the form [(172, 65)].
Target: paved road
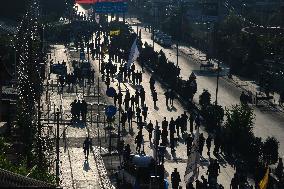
[(268, 121)]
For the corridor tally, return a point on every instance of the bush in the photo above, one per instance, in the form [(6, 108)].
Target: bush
[(239, 126), (270, 150), (213, 115)]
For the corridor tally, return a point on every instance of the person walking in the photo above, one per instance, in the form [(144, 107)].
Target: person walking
[(189, 141), (157, 135), (145, 112), (164, 136), (86, 147), (155, 98), (172, 97), (132, 100), (142, 96), (172, 132), (137, 95), (152, 83), (129, 118), (119, 98), (217, 144), (201, 143), (150, 128), (123, 120), (161, 153), (73, 111), (138, 141), (184, 119), (138, 113), (167, 96), (84, 110), (175, 177), (208, 144), (191, 121), (178, 125), (165, 124)]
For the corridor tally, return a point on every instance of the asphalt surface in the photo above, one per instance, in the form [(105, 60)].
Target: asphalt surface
[(268, 120)]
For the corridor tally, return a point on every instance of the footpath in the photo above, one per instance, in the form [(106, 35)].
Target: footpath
[(75, 171)]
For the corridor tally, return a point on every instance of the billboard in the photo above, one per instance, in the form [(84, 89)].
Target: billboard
[(85, 1), (111, 7)]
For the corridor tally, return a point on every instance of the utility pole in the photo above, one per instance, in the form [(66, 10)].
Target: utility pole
[(153, 23), (217, 87), (177, 55), (119, 111), (215, 29), (98, 115), (57, 149), (39, 135)]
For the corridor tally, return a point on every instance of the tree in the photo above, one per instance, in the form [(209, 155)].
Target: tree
[(205, 99), (270, 150), (239, 126), (231, 25), (214, 115)]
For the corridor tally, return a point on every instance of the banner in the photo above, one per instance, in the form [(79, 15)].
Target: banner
[(134, 53), (111, 7), (191, 172), (264, 182), (116, 32), (85, 1)]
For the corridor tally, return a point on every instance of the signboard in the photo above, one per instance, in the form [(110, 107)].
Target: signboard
[(110, 111), (85, 1), (82, 55), (95, 1), (111, 7), (111, 92), (115, 32)]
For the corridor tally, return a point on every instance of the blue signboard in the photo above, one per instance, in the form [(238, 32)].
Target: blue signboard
[(82, 55), (110, 92), (110, 111), (111, 7)]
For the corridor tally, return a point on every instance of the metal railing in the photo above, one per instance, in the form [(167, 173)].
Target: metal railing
[(10, 179)]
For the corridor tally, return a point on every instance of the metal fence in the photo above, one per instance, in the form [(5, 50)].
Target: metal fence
[(10, 179)]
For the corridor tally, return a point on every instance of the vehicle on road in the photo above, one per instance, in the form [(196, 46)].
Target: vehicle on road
[(140, 171), (162, 38), (59, 69)]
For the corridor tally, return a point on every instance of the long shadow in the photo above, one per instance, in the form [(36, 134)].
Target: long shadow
[(168, 155), (207, 73), (86, 166), (173, 109), (169, 109)]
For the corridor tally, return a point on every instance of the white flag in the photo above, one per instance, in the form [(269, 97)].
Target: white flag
[(97, 18), (191, 172), (134, 53)]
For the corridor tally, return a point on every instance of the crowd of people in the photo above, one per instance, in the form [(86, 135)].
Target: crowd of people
[(134, 109), (79, 110)]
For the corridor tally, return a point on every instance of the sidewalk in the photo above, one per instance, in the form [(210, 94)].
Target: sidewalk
[(75, 172)]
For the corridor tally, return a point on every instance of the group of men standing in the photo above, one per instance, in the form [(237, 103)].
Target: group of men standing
[(79, 110)]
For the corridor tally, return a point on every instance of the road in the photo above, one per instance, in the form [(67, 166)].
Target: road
[(268, 121)]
